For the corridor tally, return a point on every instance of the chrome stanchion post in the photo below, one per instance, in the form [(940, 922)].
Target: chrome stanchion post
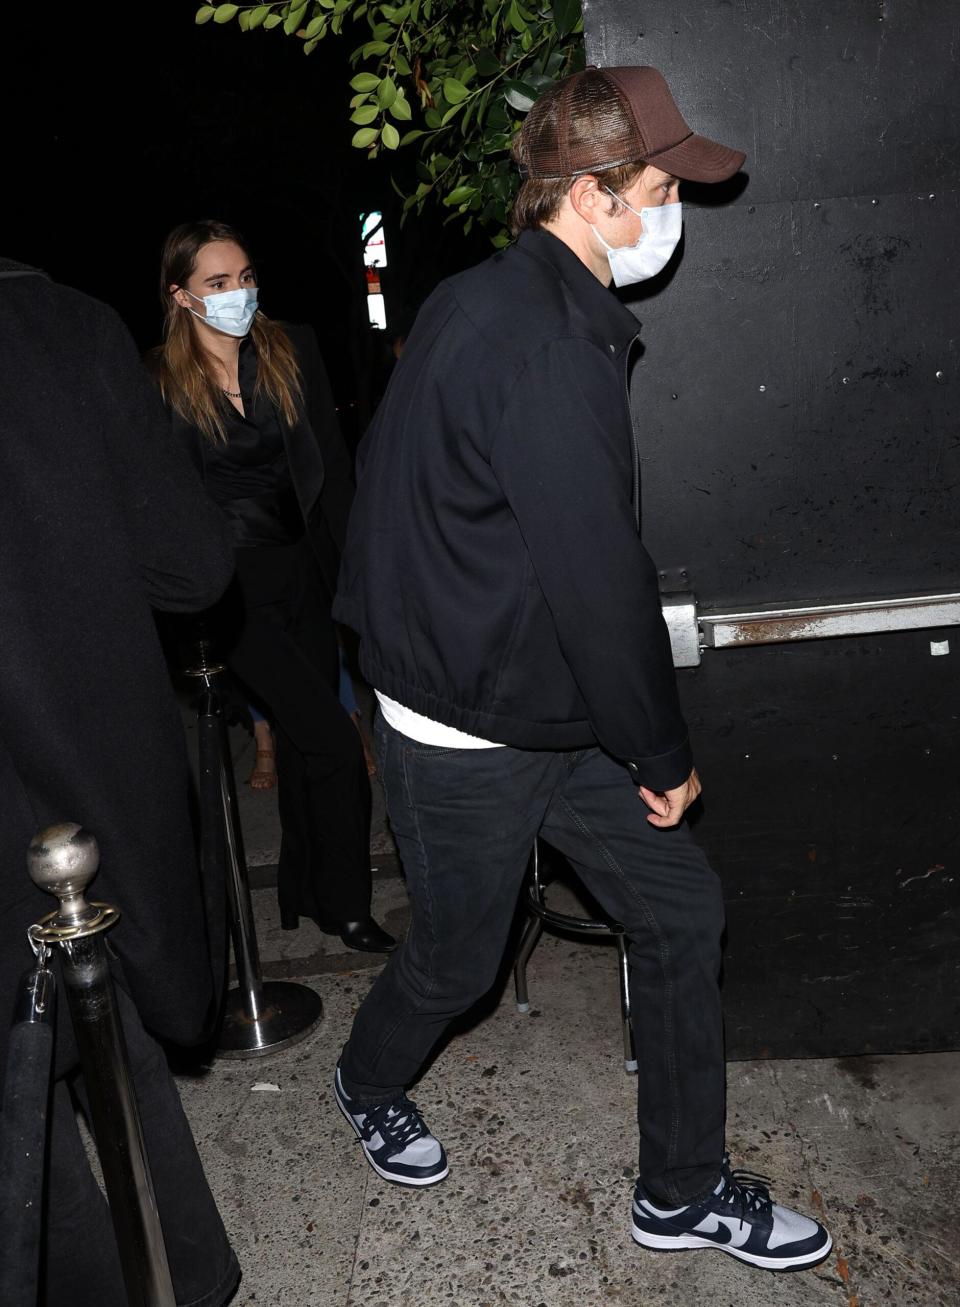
[(63, 860), (222, 839), (260, 1017)]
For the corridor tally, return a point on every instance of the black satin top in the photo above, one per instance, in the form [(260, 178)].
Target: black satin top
[(248, 477)]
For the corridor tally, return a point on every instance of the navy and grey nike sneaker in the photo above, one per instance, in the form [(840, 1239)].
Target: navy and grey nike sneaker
[(739, 1218), (395, 1139)]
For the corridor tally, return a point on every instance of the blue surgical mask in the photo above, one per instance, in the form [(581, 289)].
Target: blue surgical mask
[(662, 226), (229, 311)]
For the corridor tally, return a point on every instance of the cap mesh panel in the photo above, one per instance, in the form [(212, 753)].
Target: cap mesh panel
[(581, 125)]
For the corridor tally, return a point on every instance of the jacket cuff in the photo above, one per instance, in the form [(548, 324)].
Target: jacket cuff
[(665, 771)]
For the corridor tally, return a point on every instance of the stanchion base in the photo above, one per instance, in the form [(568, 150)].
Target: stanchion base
[(288, 1014)]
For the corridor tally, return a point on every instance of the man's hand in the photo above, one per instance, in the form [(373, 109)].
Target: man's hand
[(668, 807)]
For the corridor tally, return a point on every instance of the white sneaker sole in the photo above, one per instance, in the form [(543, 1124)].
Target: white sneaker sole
[(413, 1181), (677, 1242)]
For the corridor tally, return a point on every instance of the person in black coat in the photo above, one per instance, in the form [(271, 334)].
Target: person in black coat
[(511, 627), (251, 402), (103, 521)]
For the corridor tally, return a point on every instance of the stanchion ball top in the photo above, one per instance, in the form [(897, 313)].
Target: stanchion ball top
[(63, 859)]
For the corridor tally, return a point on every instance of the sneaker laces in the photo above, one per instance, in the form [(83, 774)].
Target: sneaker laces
[(398, 1123), (745, 1193)]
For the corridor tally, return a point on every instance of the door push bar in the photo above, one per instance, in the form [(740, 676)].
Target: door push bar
[(691, 631)]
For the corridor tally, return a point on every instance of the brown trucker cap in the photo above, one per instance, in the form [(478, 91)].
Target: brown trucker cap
[(604, 117)]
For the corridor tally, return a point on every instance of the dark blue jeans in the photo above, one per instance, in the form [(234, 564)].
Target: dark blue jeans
[(465, 821)]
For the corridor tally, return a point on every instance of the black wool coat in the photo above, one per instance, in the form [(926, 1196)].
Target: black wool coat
[(102, 519)]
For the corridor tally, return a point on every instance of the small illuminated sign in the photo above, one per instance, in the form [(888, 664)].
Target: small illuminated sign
[(374, 242), (377, 312), (374, 257)]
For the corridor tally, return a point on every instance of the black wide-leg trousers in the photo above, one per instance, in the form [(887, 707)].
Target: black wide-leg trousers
[(286, 656)]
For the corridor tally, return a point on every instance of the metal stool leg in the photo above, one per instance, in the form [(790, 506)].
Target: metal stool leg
[(629, 1052), (539, 914), (531, 933)]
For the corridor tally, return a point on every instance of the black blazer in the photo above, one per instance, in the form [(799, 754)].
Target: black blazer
[(320, 465), (102, 520)]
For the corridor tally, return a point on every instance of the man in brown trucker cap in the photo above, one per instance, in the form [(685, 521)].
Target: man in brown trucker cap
[(510, 623)]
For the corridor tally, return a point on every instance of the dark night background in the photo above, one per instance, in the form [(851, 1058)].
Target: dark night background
[(127, 119)]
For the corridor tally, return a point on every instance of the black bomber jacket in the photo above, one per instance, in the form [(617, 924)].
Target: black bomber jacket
[(493, 568)]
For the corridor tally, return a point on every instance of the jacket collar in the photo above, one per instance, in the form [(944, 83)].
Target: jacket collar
[(611, 319)]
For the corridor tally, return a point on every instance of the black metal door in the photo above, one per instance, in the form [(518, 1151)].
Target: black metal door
[(796, 406)]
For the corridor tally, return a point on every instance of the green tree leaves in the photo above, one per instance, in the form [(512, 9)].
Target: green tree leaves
[(365, 82), (454, 91), (519, 96), (294, 18), (566, 15), (386, 93), (463, 72), (365, 114), (219, 13)]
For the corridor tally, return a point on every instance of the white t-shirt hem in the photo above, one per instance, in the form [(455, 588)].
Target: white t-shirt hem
[(425, 730)]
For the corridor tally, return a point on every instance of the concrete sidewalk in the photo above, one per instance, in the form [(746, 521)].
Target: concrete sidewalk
[(537, 1116)]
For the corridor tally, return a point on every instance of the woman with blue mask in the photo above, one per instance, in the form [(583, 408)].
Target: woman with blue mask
[(251, 402)]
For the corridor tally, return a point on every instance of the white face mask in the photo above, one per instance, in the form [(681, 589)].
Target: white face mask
[(662, 226), (229, 311)]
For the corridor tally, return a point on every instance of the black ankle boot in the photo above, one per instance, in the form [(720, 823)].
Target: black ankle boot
[(366, 936)]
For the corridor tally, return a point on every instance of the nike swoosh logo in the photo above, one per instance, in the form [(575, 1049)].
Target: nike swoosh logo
[(725, 1229)]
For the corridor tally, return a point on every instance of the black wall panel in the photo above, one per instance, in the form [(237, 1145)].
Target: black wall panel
[(828, 97), (796, 402), (803, 345), (830, 811)]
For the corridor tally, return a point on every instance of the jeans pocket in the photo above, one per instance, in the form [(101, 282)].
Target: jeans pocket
[(420, 750)]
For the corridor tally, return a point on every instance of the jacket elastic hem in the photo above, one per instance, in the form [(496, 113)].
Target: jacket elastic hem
[(661, 772), (517, 732)]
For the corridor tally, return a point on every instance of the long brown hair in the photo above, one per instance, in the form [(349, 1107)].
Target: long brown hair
[(184, 369)]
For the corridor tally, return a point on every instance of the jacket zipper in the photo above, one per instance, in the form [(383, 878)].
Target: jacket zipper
[(635, 443)]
